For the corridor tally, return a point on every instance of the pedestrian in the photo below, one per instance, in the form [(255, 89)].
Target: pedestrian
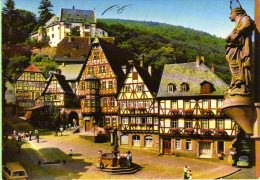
[(19, 138), (30, 135), (118, 159), (18, 146), (101, 164), (61, 129), (71, 154), (185, 172), (69, 126), (38, 138), (189, 174), (128, 162), (130, 156)]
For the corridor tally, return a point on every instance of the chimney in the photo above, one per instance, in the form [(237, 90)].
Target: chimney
[(141, 63), (130, 62), (202, 59), (212, 68), (58, 71), (124, 68), (197, 61), (69, 38), (150, 70)]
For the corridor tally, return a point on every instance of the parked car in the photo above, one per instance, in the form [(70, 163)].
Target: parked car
[(243, 161), (14, 170)]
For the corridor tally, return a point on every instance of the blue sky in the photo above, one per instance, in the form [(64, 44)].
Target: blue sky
[(210, 16)]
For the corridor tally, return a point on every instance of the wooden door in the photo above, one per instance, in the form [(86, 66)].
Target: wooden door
[(87, 125), (167, 146)]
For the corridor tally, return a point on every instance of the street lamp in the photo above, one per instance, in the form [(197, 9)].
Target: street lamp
[(94, 123)]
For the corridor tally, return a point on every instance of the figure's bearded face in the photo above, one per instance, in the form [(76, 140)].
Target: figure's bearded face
[(232, 16)]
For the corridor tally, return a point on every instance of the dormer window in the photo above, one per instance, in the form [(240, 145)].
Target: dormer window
[(171, 88), (184, 87), (206, 87)]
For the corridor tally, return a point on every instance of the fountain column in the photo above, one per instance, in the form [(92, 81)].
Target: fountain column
[(257, 87)]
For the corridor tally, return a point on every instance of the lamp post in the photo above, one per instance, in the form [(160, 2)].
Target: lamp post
[(94, 123)]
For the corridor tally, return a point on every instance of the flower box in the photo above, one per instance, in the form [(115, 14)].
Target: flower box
[(140, 108), (220, 132), (206, 131), (205, 111), (174, 111), (108, 127), (133, 124), (187, 112), (189, 130), (130, 108), (175, 130)]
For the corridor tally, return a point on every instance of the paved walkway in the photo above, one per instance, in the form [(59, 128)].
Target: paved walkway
[(154, 167), (83, 164)]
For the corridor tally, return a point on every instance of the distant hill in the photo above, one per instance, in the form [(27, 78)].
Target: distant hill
[(159, 43)]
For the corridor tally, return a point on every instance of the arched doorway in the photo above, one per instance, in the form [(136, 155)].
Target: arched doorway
[(73, 115)]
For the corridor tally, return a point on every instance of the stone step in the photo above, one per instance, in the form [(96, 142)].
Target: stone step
[(121, 170)]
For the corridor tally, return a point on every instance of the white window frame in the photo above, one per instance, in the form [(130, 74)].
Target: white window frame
[(127, 88), (177, 144), (149, 120), (188, 144), (148, 141), (136, 140), (140, 88), (124, 120)]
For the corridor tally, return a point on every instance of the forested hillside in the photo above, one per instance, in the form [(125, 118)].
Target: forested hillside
[(159, 43)]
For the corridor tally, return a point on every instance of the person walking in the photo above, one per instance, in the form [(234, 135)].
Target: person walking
[(71, 154), (30, 135), (19, 145), (185, 172), (189, 174), (38, 138)]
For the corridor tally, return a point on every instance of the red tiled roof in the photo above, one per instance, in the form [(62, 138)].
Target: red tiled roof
[(32, 68)]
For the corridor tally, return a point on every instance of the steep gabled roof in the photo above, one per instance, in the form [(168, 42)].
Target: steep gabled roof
[(193, 76), (77, 16), (62, 81), (150, 82), (74, 51), (32, 68), (117, 57)]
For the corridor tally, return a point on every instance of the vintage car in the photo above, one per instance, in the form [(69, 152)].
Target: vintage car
[(14, 170), (243, 161)]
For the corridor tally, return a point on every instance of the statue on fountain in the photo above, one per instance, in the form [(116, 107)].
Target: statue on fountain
[(238, 53)]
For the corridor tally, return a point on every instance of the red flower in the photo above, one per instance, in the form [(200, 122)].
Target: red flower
[(189, 130)]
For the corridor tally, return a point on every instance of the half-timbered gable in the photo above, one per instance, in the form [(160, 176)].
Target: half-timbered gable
[(138, 109), (58, 92), (29, 86), (190, 100), (108, 64)]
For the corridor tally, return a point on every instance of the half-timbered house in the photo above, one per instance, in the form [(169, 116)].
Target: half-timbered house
[(28, 86), (101, 77), (58, 92), (191, 122), (139, 109)]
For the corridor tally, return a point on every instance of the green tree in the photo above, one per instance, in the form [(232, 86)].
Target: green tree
[(16, 65), (45, 63), (75, 31), (45, 12), (8, 14)]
